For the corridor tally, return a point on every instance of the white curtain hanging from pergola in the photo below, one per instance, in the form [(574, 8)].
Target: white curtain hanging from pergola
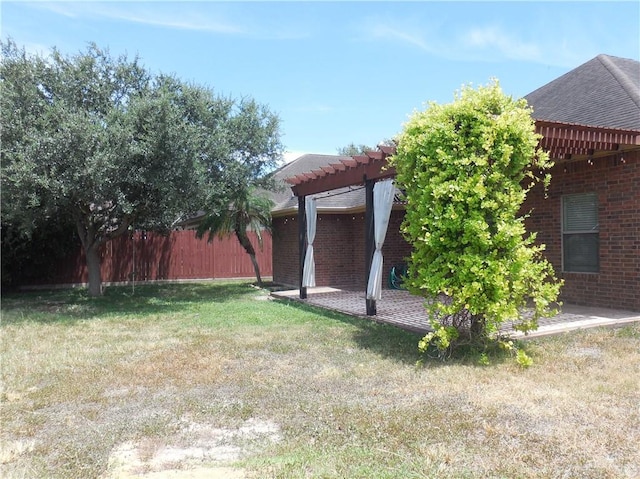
[(309, 268), (383, 194)]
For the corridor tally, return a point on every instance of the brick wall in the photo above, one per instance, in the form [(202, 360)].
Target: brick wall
[(395, 250), (338, 249), (285, 250), (617, 185)]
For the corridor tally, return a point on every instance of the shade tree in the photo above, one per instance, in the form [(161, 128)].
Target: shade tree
[(101, 140)]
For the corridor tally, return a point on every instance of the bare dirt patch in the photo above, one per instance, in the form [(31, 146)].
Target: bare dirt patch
[(196, 451)]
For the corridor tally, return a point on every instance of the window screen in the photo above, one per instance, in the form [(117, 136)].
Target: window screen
[(580, 233)]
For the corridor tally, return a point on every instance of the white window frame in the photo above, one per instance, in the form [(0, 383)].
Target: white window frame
[(594, 230)]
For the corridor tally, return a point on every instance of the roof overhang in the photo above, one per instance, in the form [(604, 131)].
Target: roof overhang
[(563, 141), (354, 210)]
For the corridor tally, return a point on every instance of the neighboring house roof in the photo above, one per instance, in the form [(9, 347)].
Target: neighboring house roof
[(603, 92), (298, 166)]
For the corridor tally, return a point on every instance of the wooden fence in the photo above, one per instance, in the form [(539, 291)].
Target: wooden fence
[(147, 256)]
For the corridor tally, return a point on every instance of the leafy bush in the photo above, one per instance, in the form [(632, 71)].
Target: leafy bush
[(466, 168)]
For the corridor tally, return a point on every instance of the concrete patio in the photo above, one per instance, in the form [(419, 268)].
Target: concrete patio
[(405, 311)]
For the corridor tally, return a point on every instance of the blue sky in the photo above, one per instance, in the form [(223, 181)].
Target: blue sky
[(339, 72)]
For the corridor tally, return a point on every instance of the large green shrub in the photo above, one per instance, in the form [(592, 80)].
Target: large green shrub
[(466, 168)]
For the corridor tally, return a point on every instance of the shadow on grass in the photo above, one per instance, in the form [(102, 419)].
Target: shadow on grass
[(393, 342), (71, 305), (64, 305), (383, 339)]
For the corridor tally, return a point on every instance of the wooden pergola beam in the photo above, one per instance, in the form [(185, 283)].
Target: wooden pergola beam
[(346, 177), (585, 134), (562, 141)]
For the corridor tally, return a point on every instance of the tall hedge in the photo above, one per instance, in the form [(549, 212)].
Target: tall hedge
[(466, 168)]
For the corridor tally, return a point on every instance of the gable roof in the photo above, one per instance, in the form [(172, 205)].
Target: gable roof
[(603, 92), (342, 199)]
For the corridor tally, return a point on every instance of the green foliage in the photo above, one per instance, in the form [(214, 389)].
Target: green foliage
[(466, 168), (352, 149), (445, 341), (103, 141), (523, 359), (248, 210), (33, 256), (442, 338)]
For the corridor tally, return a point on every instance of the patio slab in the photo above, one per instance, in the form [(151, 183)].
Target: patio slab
[(405, 311)]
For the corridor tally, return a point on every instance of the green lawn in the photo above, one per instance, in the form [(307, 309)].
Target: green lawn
[(213, 380)]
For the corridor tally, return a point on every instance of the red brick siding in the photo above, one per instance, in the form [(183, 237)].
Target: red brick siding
[(285, 250), (396, 249), (338, 249), (617, 185), (336, 252)]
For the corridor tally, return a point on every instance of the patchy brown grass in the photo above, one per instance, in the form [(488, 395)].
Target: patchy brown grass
[(204, 381)]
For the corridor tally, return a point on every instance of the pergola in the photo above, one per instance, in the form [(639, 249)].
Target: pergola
[(358, 170), (565, 142)]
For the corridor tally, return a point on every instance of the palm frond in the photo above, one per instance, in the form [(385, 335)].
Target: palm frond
[(247, 210)]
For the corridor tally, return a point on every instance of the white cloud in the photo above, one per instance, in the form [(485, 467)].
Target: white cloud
[(180, 21), (204, 16), (403, 35), (474, 42), (160, 14), (493, 38)]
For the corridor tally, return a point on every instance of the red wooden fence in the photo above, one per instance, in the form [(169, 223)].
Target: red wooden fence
[(147, 256)]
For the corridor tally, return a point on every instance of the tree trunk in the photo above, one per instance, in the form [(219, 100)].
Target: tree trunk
[(93, 267), (86, 231), (91, 240), (477, 327), (241, 234), (256, 268)]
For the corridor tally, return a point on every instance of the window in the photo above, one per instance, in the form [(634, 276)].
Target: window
[(580, 233)]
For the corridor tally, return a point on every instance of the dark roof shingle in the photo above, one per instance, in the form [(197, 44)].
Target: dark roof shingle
[(603, 92)]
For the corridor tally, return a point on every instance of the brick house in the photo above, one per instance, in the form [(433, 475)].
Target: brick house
[(589, 120), (590, 221), (340, 238)]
